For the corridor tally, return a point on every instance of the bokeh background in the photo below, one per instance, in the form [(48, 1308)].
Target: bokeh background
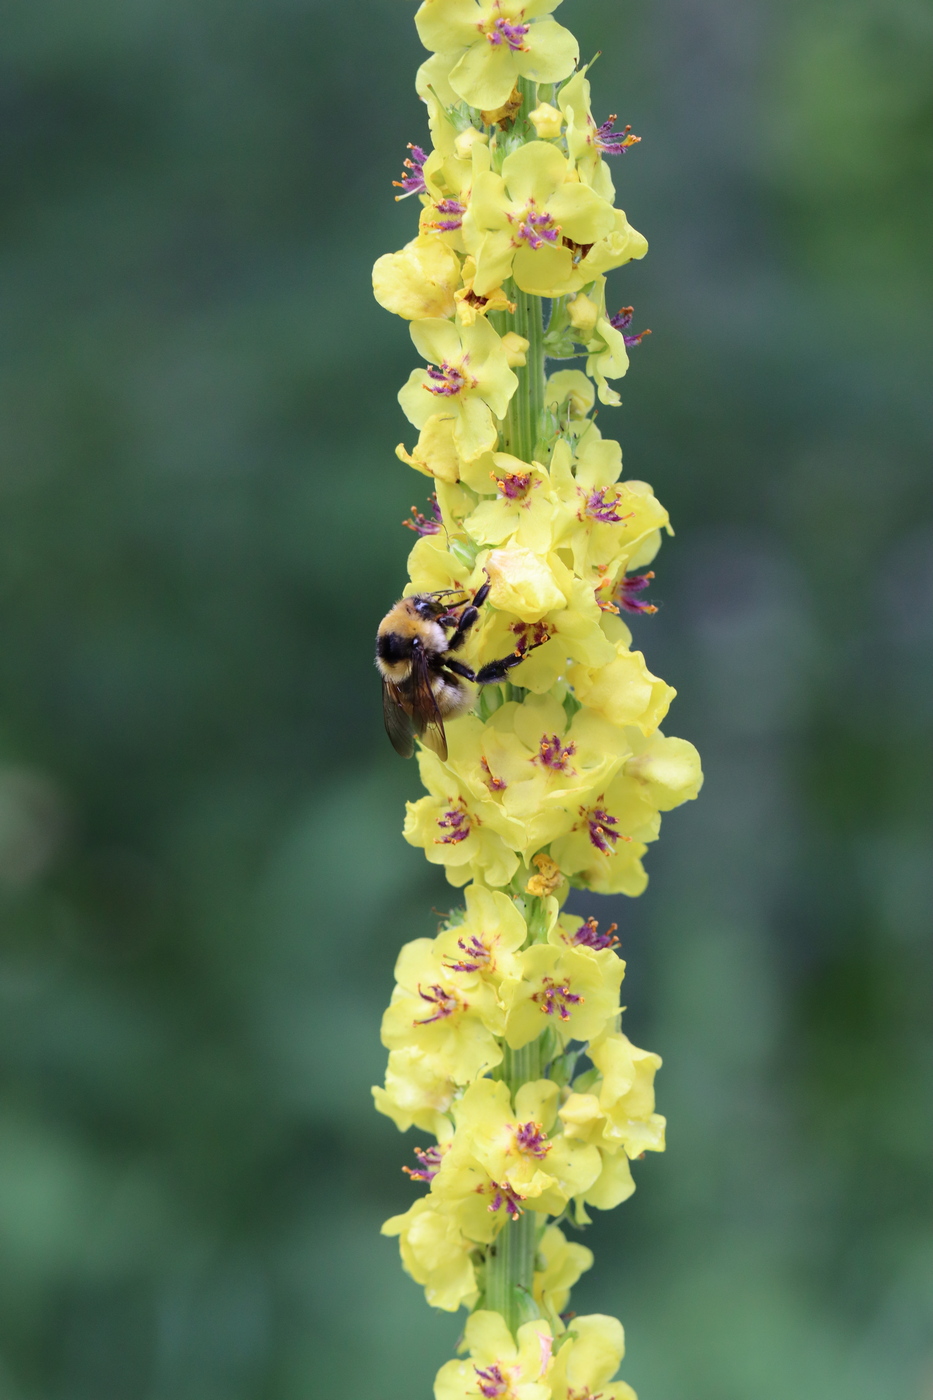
[(202, 880)]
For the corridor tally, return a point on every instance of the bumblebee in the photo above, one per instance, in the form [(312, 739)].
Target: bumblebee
[(422, 680)]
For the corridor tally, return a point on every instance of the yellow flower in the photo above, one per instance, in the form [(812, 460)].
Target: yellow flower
[(603, 850), (618, 1111), (432, 1011), (558, 1265), (468, 378), (474, 834), (510, 1368), (537, 769), (624, 691), (469, 304), (582, 133), (517, 1148), (454, 501), (583, 315), (571, 391), (447, 179), (419, 281), (607, 357), (417, 1092), (433, 87), (433, 566), (492, 43), (602, 520), (524, 510), (468, 138), (613, 1186), (573, 991), (516, 348), (547, 121), (435, 1254), (435, 454), (523, 583), (621, 245), (584, 1365), (626, 1094), (478, 1204), (482, 948), (456, 830), (570, 631), (517, 222), (667, 768)]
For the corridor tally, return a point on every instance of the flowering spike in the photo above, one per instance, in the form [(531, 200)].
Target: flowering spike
[(537, 726)]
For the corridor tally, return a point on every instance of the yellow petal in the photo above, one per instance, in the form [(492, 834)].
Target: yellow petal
[(522, 584)]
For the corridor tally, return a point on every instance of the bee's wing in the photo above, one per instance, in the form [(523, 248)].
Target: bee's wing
[(397, 721), (425, 716)]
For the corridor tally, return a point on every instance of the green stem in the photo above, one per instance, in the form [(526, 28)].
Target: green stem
[(522, 424), (510, 1259)]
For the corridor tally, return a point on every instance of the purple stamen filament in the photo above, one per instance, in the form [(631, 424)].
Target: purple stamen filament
[(430, 1159), (422, 524), (514, 486), (489, 778), (476, 957), (513, 34), (621, 322), (448, 381), (445, 1003), (505, 1196), (551, 754), (535, 227), (491, 1382), (625, 590), (604, 508), (613, 143), (456, 824), (531, 1139), (413, 182), (588, 936), (603, 829), (453, 212), (556, 996)]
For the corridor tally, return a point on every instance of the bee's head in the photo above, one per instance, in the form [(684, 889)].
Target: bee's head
[(431, 606)]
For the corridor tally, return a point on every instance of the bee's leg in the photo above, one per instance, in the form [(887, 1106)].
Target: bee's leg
[(482, 593), (495, 671), (458, 669), (491, 673), (464, 623)]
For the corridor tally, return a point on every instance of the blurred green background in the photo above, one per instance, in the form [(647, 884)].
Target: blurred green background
[(203, 880)]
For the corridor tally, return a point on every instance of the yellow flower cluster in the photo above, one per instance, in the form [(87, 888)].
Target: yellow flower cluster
[(504, 1031), (556, 1144)]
